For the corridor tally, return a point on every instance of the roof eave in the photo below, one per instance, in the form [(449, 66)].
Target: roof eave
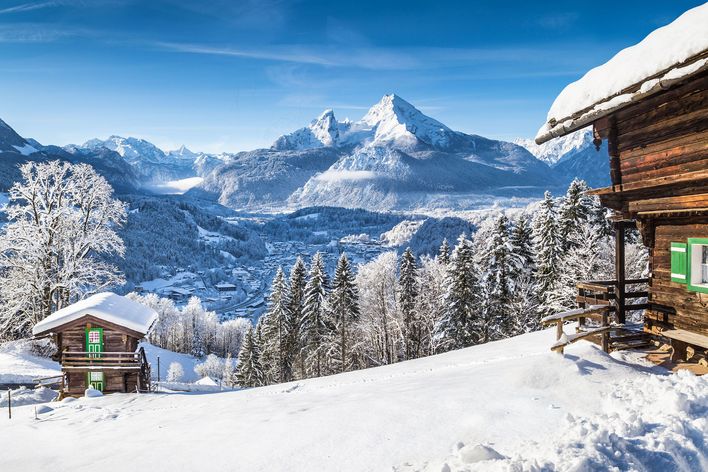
[(641, 91)]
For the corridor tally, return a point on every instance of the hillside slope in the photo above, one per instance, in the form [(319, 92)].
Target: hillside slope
[(508, 405)]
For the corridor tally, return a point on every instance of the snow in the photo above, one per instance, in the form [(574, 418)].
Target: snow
[(508, 405), (18, 365), (175, 187), (168, 357), (391, 120), (665, 48), (207, 381), (92, 393), (106, 306), (26, 149), (28, 396)]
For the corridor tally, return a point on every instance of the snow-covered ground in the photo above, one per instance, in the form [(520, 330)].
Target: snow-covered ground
[(19, 366), (509, 405)]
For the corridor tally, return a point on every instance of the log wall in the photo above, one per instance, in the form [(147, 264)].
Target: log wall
[(664, 135), (691, 308), (659, 150)]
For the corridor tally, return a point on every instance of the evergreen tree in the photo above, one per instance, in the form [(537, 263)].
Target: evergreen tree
[(444, 252), (249, 372), (345, 310), (459, 326), (548, 250), (407, 297), (276, 331), (521, 240), (296, 301), (575, 209), (315, 326), (497, 262)]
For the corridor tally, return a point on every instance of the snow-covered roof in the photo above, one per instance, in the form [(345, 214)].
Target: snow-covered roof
[(106, 306), (667, 55)]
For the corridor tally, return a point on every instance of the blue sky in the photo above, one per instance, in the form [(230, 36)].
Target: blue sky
[(233, 75)]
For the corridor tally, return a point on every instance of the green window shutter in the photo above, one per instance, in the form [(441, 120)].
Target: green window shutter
[(679, 269)]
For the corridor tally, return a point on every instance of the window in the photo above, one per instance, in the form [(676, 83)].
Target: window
[(96, 376), (94, 336), (698, 264)]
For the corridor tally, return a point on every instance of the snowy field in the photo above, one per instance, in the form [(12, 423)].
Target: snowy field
[(508, 405)]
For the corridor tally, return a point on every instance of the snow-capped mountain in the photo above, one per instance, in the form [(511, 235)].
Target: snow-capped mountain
[(16, 150), (12, 142), (392, 121), (393, 157), (555, 150), (573, 156), (152, 164), (322, 132)]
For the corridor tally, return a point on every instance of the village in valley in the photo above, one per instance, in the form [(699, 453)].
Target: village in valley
[(383, 293)]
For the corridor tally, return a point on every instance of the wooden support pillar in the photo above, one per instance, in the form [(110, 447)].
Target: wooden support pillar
[(620, 270)]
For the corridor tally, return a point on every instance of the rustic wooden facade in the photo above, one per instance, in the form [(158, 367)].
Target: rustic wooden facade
[(98, 351), (656, 130), (659, 168)]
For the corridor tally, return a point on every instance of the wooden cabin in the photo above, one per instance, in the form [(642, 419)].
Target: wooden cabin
[(650, 102), (97, 344)]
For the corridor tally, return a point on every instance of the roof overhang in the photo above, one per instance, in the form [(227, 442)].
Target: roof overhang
[(664, 80)]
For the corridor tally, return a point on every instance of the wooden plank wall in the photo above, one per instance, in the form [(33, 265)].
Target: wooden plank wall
[(691, 308), (74, 339), (115, 382), (664, 135)]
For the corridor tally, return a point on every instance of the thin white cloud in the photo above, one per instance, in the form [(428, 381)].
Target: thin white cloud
[(23, 7)]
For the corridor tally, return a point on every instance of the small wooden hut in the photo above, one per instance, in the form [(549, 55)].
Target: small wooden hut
[(650, 102), (97, 344)]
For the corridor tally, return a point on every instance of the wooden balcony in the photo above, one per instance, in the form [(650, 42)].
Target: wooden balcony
[(74, 360)]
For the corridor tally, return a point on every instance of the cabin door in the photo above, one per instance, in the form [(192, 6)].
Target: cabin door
[(94, 341), (96, 380)]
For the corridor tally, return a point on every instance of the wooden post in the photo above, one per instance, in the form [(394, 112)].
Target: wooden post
[(606, 335), (9, 403), (158, 370), (559, 329), (620, 270)]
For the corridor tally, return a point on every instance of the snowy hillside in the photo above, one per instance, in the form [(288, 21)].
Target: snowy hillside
[(508, 405)]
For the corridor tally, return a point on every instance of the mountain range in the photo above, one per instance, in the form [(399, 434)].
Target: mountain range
[(394, 157)]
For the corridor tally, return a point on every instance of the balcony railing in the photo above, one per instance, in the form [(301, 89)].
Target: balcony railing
[(103, 359)]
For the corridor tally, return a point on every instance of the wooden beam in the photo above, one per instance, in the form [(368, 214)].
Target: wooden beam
[(620, 270)]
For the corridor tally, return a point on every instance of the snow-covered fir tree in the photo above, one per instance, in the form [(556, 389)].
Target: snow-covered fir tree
[(407, 304), (277, 326), (296, 302), (344, 303), (575, 209), (249, 372), (522, 245), (444, 252), (548, 249), (460, 324), (62, 221), (316, 325), (497, 263)]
